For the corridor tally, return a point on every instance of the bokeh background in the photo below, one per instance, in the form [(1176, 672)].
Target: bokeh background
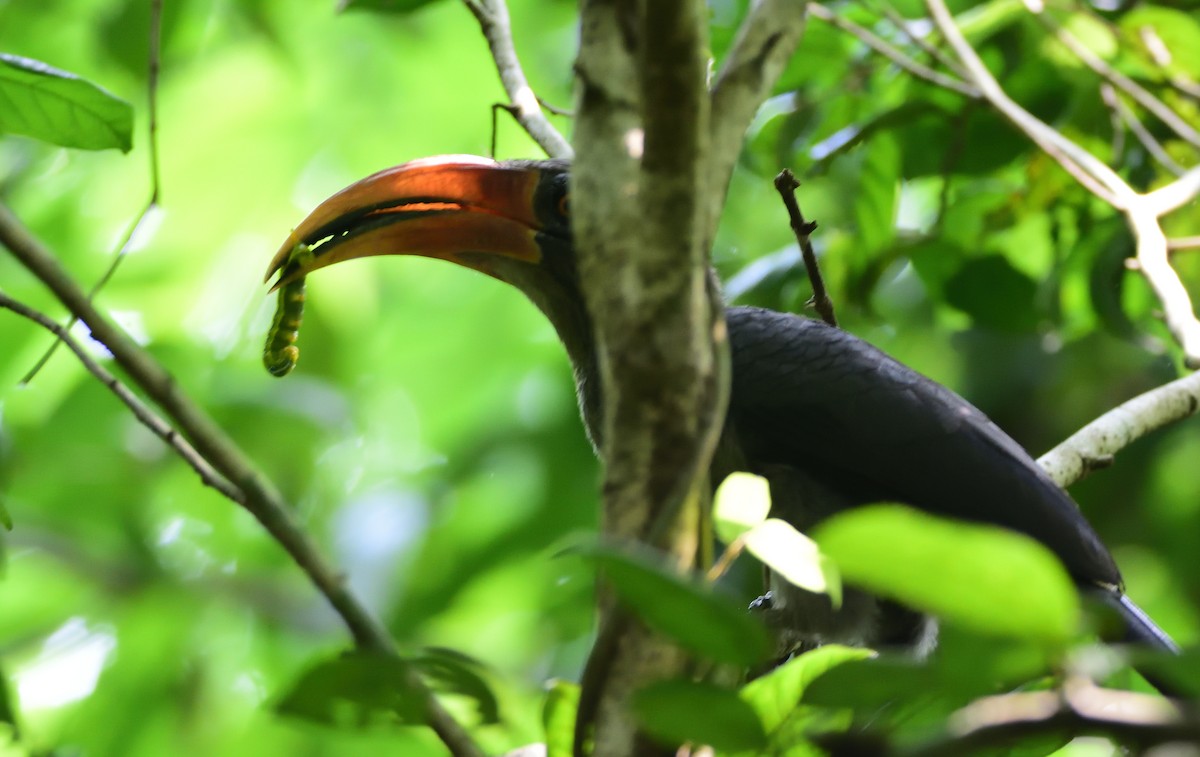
[(429, 436)]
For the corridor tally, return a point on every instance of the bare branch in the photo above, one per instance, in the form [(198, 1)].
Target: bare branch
[(1085, 167), (786, 184), (1176, 194), (999, 722), (259, 496), (1094, 445), (895, 55), (492, 16), (1141, 211), (1183, 243), (144, 415), (930, 49)]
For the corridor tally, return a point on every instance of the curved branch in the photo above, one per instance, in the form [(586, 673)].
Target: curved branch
[(492, 16), (1093, 446), (145, 415), (259, 496)]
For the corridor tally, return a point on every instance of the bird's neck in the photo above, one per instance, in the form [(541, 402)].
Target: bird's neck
[(574, 329)]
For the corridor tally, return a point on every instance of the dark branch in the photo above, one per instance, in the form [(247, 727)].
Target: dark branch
[(786, 184)]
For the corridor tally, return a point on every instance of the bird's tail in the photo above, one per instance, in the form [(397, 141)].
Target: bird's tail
[(1140, 630)]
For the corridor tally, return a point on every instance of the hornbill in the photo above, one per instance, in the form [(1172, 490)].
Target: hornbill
[(829, 420)]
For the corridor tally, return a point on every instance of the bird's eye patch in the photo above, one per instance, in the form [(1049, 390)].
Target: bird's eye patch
[(564, 205)]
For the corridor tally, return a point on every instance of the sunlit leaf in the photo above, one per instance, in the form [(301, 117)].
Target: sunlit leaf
[(689, 611), (558, 718), (742, 501), (984, 577), (61, 108), (678, 712), (776, 695), (795, 557)]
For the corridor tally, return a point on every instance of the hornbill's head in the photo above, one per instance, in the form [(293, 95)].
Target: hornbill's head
[(508, 219)]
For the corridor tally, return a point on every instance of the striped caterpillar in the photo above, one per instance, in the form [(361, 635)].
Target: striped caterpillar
[(280, 352)]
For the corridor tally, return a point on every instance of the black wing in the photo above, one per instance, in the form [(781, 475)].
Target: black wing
[(821, 400)]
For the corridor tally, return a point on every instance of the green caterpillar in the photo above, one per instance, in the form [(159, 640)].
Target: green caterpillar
[(280, 352)]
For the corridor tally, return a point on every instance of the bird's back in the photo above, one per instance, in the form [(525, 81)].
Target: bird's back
[(813, 398)]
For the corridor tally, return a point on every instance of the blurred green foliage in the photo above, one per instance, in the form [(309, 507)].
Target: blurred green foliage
[(429, 435)]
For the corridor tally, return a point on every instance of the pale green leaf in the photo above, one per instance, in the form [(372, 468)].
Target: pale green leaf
[(984, 577), (742, 502), (795, 557), (54, 106)]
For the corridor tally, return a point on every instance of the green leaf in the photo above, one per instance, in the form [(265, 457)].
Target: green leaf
[(995, 294), (776, 695), (451, 671), (356, 690), (1178, 30), (384, 6), (687, 610), (60, 108), (558, 718), (878, 194), (987, 578), (795, 557), (678, 712), (5, 516), (742, 502), (864, 684)]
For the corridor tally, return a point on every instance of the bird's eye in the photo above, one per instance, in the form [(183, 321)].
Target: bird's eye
[(564, 205)]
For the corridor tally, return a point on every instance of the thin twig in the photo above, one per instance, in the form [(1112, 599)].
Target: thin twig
[(492, 16), (1122, 82), (1122, 112), (786, 184), (152, 145), (1183, 243), (260, 498), (895, 55), (144, 414), (554, 109), (930, 49)]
